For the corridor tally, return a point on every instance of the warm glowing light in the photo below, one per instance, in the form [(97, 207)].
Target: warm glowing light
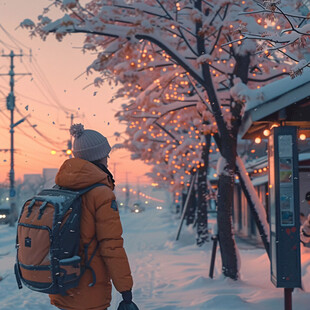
[(258, 140), (68, 152), (266, 132), (274, 125), (302, 136), (53, 152)]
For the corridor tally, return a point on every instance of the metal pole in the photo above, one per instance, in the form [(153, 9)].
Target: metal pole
[(214, 238), (288, 298), (11, 106), (70, 141), (186, 204), (127, 194)]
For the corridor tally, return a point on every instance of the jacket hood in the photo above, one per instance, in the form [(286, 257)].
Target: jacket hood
[(76, 173)]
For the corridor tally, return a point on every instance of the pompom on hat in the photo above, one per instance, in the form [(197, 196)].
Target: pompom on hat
[(89, 144)]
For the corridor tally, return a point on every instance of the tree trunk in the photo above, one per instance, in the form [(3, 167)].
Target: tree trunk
[(226, 179), (191, 210), (202, 208), (225, 235)]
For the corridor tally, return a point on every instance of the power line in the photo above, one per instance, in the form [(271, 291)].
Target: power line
[(31, 98), (7, 45), (14, 40), (41, 77), (27, 135), (40, 74), (36, 159), (53, 143)]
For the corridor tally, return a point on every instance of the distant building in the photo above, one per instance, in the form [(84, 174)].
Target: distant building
[(33, 178), (32, 184), (49, 175)]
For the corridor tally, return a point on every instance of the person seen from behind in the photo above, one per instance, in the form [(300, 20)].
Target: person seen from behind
[(305, 227), (100, 226)]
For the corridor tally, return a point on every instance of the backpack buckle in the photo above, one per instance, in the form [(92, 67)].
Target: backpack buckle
[(41, 209), (30, 206)]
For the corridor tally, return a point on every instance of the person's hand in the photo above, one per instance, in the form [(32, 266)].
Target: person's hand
[(127, 303), (127, 296)]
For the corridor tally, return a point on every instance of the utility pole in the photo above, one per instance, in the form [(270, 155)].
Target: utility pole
[(114, 169), (138, 189), (127, 193), (70, 141), (10, 103), (68, 151)]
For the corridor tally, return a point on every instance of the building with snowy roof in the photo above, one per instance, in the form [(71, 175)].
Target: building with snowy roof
[(285, 102)]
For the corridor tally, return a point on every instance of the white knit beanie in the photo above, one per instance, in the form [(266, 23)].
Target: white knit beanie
[(89, 144)]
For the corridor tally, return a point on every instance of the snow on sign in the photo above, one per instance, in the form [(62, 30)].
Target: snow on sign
[(284, 208)]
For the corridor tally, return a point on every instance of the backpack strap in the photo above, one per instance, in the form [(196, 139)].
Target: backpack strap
[(88, 261), (86, 246), (17, 276), (80, 191), (87, 189)]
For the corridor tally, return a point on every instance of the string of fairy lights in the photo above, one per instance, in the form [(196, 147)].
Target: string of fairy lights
[(177, 89), (142, 195)]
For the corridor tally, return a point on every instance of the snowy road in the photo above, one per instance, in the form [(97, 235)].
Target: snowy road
[(170, 275)]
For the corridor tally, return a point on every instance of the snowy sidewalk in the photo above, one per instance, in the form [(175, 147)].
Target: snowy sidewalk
[(170, 275), (175, 275)]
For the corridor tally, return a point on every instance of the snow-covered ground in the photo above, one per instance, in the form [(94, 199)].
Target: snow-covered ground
[(170, 275)]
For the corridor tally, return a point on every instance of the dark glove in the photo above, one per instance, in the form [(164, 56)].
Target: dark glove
[(127, 296), (127, 306), (127, 303)]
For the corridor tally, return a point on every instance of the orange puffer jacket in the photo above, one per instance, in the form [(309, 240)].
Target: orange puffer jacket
[(100, 219)]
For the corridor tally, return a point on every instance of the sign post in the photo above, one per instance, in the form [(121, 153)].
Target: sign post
[(284, 211)]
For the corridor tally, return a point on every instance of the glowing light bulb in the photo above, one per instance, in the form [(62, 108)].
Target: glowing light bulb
[(258, 140), (266, 132)]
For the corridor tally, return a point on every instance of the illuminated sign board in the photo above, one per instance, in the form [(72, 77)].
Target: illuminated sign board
[(284, 207)]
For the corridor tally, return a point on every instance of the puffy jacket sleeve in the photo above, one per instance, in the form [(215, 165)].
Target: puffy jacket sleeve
[(109, 235)]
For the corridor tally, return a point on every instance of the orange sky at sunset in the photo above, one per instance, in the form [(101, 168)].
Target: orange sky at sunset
[(50, 92)]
